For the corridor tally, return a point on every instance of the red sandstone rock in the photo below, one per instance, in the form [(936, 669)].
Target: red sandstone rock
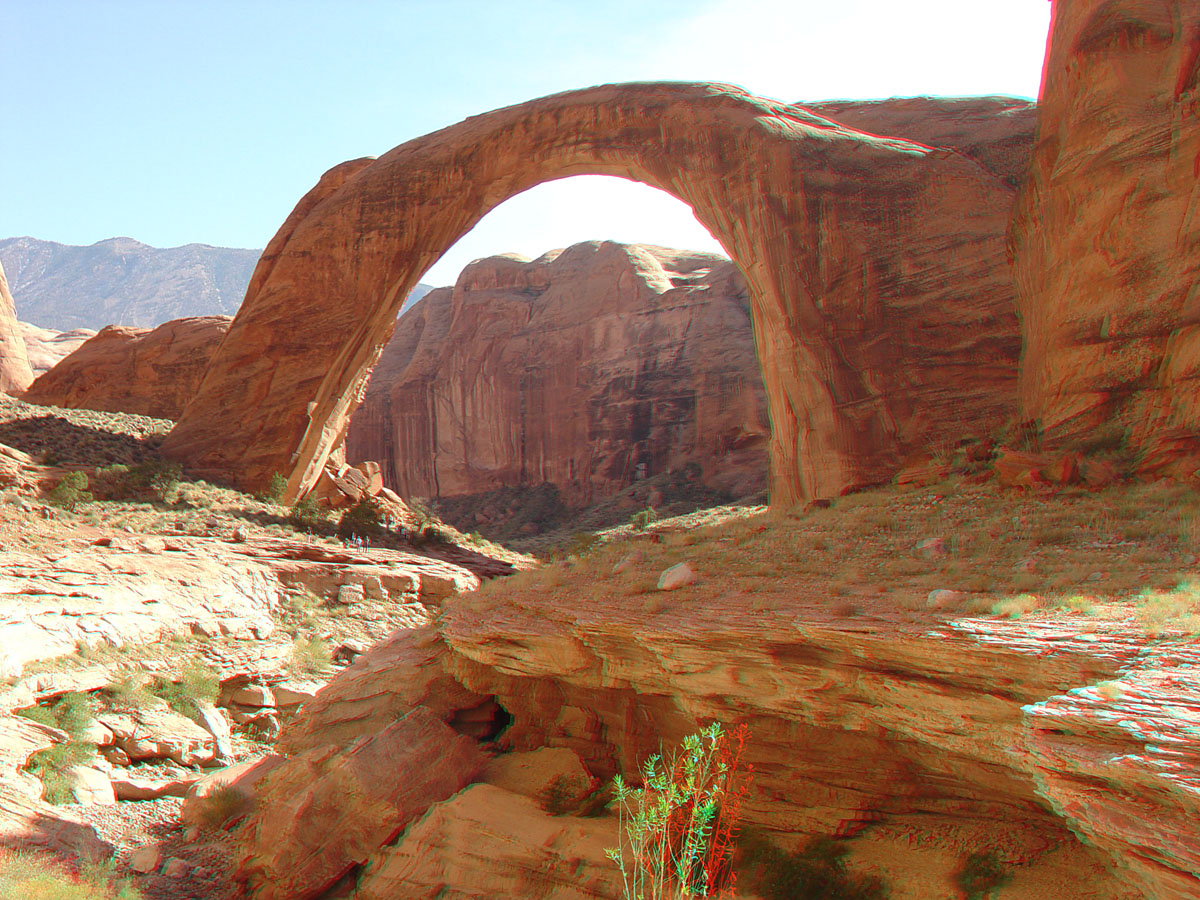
[(46, 347), (875, 268), (134, 370), (15, 374), (1106, 236), (323, 812), (589, 368)]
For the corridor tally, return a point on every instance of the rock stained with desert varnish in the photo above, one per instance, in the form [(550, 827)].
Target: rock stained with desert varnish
[(15, 374), (588, 368), (882, 304), (1106, 238)]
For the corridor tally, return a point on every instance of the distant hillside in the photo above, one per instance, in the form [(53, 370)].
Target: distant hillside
[(123, 282)]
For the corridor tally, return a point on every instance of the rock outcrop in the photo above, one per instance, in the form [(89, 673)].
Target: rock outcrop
[(15, 373), (589, 368), (876, 271), (134, 370), (1106, 239), (46, 347), (924, 740)]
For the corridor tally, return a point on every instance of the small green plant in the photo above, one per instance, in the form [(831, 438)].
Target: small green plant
[(70, 713), (677, 830), (153, 481), (197, 684), (70, 491), (130, 691), (310, 656), (981, 875), (275, 489)]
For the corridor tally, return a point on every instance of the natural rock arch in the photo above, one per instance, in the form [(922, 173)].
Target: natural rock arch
[(880, 292)]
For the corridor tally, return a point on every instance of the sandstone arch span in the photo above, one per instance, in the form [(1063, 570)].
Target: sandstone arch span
[(880, 293)]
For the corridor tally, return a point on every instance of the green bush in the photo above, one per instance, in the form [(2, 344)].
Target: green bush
[(310, 656), (38, 878), (70, 491), (275, 489), (222, 806), (50, 764), (306, 514), (153, 481), (640, 521), (364, 519), (70, 713)]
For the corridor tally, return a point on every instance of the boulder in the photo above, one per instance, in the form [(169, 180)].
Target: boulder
[(487, 842), (158, 733), (320, 813), (89, 785), (130, 787)]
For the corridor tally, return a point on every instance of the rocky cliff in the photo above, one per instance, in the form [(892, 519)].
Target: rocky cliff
[(588, 368), (134, 370), (15, 373), (1106, 238), (876, 270), (46, 347)]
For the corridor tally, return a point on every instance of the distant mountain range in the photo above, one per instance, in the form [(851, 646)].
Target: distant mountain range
[(121, 281)]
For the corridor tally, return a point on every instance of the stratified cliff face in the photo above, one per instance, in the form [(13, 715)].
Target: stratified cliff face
[(134, 370), (1106, 237), (588, 368), (15, 373)]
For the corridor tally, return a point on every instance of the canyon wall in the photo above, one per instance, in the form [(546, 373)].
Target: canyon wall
[(1106, 238), (151, 372), (15, 373), (589, 368), (876, 270)]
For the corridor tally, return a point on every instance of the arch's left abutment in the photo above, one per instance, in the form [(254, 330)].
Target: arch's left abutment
[(881, 296)]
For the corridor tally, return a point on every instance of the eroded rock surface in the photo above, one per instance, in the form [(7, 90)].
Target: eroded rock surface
[(875, 268), (134, 370), (1106, 239), (46, 347), (587, 368)]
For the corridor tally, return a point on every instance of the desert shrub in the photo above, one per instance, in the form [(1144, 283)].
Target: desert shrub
[(130, 691), (50, 764), (222, 806), (981, 875), (642, 520), (364, 519), (275, 489), (197, 684), (306, 514), (310, 656), (70, 491), (152, 481), (428, 534), (677, 830), (37, 878)]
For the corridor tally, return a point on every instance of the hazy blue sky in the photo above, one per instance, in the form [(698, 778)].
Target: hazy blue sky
[(172, 121)]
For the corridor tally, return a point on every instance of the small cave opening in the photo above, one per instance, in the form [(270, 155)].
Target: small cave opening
[(484, 722)]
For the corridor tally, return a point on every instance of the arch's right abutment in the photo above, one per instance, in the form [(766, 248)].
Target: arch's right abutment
[(877, 269)]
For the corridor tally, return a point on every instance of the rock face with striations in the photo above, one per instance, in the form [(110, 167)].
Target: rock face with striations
[(588, 368), (1106, 237), (876, 270), (15, 373), (134, 370)]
